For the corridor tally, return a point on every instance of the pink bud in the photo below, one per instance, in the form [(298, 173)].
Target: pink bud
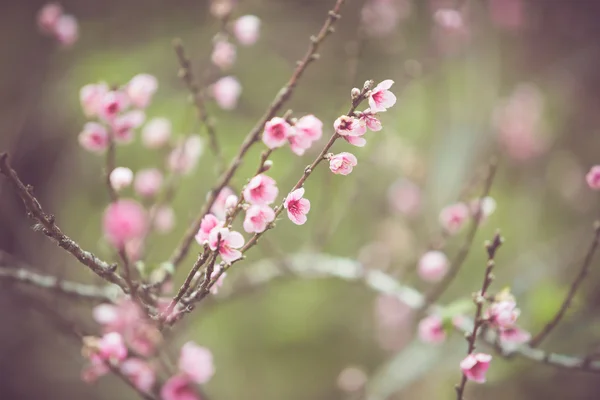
[(148, 182), (449, 18), (111, 348), (352, 379), (593, 177), (219, 207), (297, 206), (112, 104), (258, 218), (223, 55), (91, 97), (226, 92), (156, 133), (431, 330), (123, 221), (94, 137), (230, 202), (48, 16), (246, 29), (196, 362), (433, 266), (140, 89), (207, 225), (184, 158), (276, 132), (219, 283), (503, 314), (474, 366), (179, 387), (342, 163), (453, 217), (514, 336), (66, 30), (140, 374), (405, 197), (125, 124), (261, 189), (164, 219), (120, 178)]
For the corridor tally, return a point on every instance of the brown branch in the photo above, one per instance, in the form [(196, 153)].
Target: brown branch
[(50, 229), (480, 296), (52, 283), (111, 153), (585, 268), (436, 292), (254, 135)]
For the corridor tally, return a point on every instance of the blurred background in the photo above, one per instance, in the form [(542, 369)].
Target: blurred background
[(515, 79)]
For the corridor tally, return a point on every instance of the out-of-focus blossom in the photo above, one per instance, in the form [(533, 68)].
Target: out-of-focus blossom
[(140, 374), (91, 97), (503, 314), (179, 387), (433, 266), (453, 217), (208, 223), (276, 133), (48, 16), (258, 217), (223, 55), (220, 205), (125, 124), (226, 92), (140, 90), (164, 219), (488, 206), (66, 30), (381, 17), (247, 29), (196, 362), (513, 336), (370, 120), (431, 330), (351, 379), (475, 366), (593, 177), (148, 182), (310, 127), (120, 178), (156, 133), (405, 197), (112, 104), (94, 137), (184, 157), (124, 220), (297, 206), (507, 14)]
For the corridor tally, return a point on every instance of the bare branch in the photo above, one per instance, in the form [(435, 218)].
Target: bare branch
[(585, 267)]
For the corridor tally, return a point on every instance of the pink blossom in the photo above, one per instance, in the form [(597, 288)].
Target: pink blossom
[(226, 92), (370, 120), (276, 133), (148, 182), (123, 221), (297, 206), (298, 142), (309, 126), (220, 205), (196, 362), (223, 55), (124, 125), (156, 133), (342, 163), (593, 177), (507, 14), (91, 97), (140, 373), (111, 348), (207, 225), (474, 366), (179, 387), (66, 30), (164, 219), (112, 104), (94, 370), (349, 126), (119, 317), (120, 178), (258, 217), (48, 16), (229, 243), (352, 379), (246, 29), (405, 197), (134, 249), (431, 330), (514, 336), (184, 157), (94, 137), (143, 338), (140, 89), (219, 283), (449, 19), (381, 17), (380, 98), (503, 314), (357, 141), (261, 190), (433, 266), (453, 217)]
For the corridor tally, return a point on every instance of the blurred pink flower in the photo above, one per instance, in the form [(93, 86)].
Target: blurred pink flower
[(297, 206), (164, 219), (247, 29), (226, 92), (184, 157), (120, 178), (112, 104), (405, 197), (94, 137), (124, 220), (48, 16), (276, 132), (140, 374), (178, 387), (309, 126), (111, 348), (208, 223), (196, 362), (593, 177), (90, 97), (370, 120), (140, 89), (220, 205), (453, 217), (223, 55), (433, 266), (503, 314), (66, 30), (475, 366), (156, 133), (258, 218), (125, 124), (148, 182), (342, 163), (513, 336), (431, 330)]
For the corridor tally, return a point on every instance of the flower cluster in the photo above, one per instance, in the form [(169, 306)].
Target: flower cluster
[(54, 22), (300, 133)]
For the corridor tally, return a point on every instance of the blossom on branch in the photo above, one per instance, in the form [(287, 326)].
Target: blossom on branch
[(342, 163), (475, 366), (227, 243), (261, 189), (276, 133), (258, 217), (381, 98), (297, 206)]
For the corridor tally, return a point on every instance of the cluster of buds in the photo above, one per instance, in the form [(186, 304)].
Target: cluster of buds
[(52, 21)]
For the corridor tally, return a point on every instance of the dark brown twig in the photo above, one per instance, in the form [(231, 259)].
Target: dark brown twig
[(254, 135), (585, 268), (50, 229), (478, 321)]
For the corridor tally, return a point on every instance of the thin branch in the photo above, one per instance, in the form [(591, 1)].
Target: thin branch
[(50, 229), (480, 296), (52, 283), (110, 163), (458, 261), (585, 268), (254, 135)]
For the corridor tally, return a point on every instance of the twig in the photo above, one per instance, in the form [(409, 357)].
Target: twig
[(254, 135), (109, 167), (585, 267), (478, 321), (436, 292), (198, 97), (48, 282), (50, 229)]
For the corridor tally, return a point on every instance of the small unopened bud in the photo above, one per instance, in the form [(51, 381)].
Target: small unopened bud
[(328, 156), (266, 166), (355, 93), (231, 202), (368, 85)]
